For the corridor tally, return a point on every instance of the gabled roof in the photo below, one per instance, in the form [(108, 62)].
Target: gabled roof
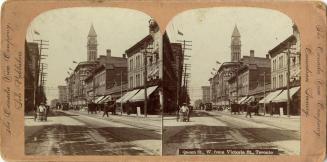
[(236, 33), (92, 32)]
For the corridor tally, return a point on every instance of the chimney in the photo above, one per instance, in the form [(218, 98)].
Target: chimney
[(108, 53), (124, 55), (251, 53)]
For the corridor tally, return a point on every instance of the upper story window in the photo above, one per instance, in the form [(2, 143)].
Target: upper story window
[(281, 62), (131, 64)]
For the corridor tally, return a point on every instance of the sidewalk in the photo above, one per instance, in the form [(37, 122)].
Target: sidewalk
[(284, 122)]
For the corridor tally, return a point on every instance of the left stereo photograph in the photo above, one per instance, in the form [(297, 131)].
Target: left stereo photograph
[(92, 83)]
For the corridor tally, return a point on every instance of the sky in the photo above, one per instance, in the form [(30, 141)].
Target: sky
[(210, 31), (67, 29)]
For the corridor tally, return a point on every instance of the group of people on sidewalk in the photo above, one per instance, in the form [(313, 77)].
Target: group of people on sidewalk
[(109, 106), (253, 106)]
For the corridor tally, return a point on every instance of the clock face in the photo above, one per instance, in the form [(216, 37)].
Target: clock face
[(92, 41)]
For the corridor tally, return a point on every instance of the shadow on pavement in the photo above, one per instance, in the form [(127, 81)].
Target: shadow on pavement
[(81, 140)]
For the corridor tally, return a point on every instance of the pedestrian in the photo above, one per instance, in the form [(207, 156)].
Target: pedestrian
[(47, 109), (271, 108), (189, 113), (88, 108), (177, 114), (128, 106), (184, 111), (248, 110), (113, 109), (106, 109), (42, 110)]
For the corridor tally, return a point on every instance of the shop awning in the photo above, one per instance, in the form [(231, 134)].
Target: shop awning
[(127, 96), (270, 96), (140, 95), (241, 100), (248, 100), (98, 99), (105, 99), (282, 97)]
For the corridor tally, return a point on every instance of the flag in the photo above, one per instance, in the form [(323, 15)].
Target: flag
[(75, 62), (218, 62), (179, 32), (36, 32), (70, 69)]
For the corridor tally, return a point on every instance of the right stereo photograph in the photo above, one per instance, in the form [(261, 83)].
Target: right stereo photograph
[(231, 83)]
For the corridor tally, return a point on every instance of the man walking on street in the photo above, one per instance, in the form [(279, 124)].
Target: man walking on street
[(248, 110), (106, 109)]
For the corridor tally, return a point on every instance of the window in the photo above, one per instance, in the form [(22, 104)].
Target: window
[(131, 82), (137, 61), (131, 64), (274, 65), (281, 62), (274, 83)]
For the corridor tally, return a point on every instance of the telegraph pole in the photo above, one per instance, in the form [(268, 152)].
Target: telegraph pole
[(41, 56), (186, 45), (145, 76), (288, 80)]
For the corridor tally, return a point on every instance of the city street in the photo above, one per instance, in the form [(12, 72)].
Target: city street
[(79, 133), (221, 130)]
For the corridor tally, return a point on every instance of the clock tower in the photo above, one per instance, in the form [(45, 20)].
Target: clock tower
[(92, 45), (235, 45)]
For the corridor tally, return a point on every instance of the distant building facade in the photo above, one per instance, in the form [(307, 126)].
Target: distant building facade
[(253, 73), (63, 94), (205, 94)]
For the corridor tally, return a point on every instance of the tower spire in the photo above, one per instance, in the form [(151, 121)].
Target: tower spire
[(92, 32), (235, 45), (236, 33), (92, 50)]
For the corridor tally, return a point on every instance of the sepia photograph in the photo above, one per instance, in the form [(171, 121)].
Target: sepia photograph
[(238, 83), (93, 83)]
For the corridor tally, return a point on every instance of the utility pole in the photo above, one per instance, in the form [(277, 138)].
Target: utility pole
[(186, 45), (288, 80), (264, 92), (121, 91), (38, 83), (145, 76)]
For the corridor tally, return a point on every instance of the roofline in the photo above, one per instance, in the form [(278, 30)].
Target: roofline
[(138, 45), (282, 44)]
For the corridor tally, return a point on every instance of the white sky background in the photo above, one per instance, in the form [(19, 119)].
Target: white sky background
[(210, 31), (67, 30)]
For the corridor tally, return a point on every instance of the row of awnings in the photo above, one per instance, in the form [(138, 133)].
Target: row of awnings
[(136, 95), (279, 95), (276, 96)]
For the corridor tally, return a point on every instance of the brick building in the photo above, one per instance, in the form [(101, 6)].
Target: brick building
[(145, 66)]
